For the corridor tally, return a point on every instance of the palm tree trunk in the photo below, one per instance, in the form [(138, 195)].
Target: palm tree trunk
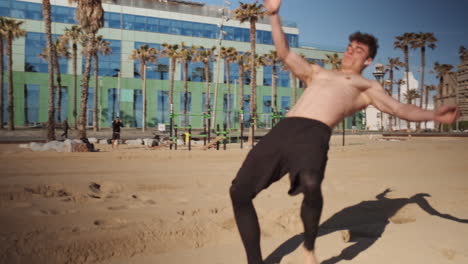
[(50, 68), (399, 100), (59, 89), (11, 125), (423, 88), (75, 85), (185, 93), (407, 76), (228, 84), (1, 82), (253, 83), (241, 93), (84, 93), (390, 127), (207, 96), (143, 92), (96, 93)]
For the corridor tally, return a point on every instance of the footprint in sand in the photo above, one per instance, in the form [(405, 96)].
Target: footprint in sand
[(109, 223), (449, 253), (53, 212)]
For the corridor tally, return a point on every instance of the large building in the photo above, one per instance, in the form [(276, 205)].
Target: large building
[(128, 25)]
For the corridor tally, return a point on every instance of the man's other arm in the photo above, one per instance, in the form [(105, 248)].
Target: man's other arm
[(379, 98)]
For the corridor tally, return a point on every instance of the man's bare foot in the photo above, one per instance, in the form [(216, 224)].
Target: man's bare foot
[(309, 257)]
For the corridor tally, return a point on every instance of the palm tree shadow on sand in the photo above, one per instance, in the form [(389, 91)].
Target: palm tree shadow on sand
[(365, 222)]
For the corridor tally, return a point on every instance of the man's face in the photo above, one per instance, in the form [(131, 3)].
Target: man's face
[(356, 57)]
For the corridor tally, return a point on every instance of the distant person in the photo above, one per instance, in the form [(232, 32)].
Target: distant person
[(66, 127), (116, 125), (299, 144)]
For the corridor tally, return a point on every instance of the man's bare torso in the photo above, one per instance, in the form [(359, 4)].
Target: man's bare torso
[(331, 96)]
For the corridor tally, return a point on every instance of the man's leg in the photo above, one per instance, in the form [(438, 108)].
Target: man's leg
[(311, 209), (247, 222)]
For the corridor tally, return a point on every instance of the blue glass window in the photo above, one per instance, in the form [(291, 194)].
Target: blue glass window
[(112, 20), (163, 107), (226, 109), (267, 104), (187, 28), (282, 76), (189, 102), (33, 11), (247, 110), (31, 106), (204, 102), (140, 23), (285, 104), (176, 27), (112, 104), (18, 9), (128, 22), (158, 70), (293, 40), (36, 42), (152, 24), (197, 29), (63, 14), (4, 8), (109, 65), (230, 32), (164, 25), (63, 106), (210, 31), (90, 107)]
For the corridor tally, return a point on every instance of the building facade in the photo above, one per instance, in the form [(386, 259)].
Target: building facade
[(128, 25)]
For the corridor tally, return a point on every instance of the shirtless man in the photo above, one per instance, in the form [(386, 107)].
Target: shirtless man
[(298, 145)]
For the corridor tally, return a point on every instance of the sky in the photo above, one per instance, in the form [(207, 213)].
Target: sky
[(328, 23)]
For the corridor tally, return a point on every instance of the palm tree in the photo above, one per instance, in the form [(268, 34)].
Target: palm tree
[(2, 37), (334, 60), (393, 64), (272, 59), (399, 83), (251, 13), (144, 54), (172, 52), (12, 29), (402, 42), (74, 34), (463, 52), (90, 15), (421, 40), (258, 61), (205, 56), (60, 50), (46, 10), (441, 70), (101, 46), (186, 55), (411, 95), (242, 60), (229, 55)]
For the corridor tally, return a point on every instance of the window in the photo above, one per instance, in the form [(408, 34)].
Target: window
[(4, 8), (230, 109), (282, 76), (63, 104), (33, 11), (128, 22), (197, 30), (164, 25), (137, 107), (112, 104), (163, 107), (285, 104), (140, 23), (204, 110), (112, 20), (31, 106), (109, 65), (187, 28), (175, 27), (18, 9), (36, 43), (158, 70), (152, 24), (63, 14)]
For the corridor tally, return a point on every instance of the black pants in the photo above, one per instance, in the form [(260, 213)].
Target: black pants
[(297, 146)]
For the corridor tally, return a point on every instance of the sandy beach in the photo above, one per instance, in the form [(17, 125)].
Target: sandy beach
[(386, 202)]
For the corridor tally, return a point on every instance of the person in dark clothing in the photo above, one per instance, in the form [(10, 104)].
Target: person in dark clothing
[(116, 125), (66, 127)]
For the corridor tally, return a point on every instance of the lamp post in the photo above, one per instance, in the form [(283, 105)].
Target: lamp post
[(224, 18), (379, 74)]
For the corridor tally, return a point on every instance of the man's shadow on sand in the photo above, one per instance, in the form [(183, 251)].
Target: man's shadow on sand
[(366, 222)]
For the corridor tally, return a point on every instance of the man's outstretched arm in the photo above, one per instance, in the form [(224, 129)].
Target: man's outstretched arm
[(299, 66), (380, 99)]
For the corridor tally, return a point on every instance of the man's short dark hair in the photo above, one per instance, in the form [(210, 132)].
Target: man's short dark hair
[(366, 39)]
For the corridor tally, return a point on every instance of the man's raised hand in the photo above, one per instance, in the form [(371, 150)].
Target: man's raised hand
[(272, 6), (447, 114)]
